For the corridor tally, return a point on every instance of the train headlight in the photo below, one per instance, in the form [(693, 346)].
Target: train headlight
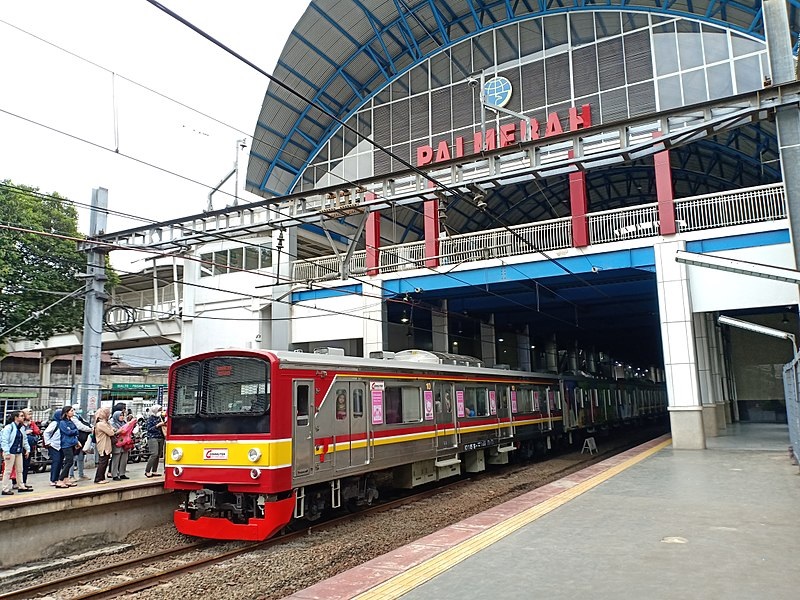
[(177, 471), (255, 473), (176, 454), (253, 454)]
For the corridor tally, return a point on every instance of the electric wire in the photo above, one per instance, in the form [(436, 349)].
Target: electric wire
[(116, 150), (217, 120), (324, 110)]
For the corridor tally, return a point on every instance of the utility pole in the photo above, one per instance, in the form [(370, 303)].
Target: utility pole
[(95, 298), (787, 118)]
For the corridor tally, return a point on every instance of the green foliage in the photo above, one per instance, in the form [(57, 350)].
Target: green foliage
[(36, 270), (175, 350)]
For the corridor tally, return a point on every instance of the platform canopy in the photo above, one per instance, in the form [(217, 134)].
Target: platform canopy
[(344, 52)]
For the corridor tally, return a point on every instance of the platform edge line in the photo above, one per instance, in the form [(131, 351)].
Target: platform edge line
[(414, 577)]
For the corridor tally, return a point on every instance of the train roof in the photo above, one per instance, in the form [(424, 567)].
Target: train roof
[(417, 361)]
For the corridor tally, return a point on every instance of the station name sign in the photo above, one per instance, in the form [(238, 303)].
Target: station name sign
[(506, 135)]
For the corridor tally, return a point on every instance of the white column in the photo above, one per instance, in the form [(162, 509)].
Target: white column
[(45, 371), (374, 321), (488, 344), (281, 293), (715, 352), (677, 338), (191, 276), (704, 374), (441, 337)]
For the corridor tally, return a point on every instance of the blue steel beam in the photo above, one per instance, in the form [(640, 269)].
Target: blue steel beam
[(704, 11)]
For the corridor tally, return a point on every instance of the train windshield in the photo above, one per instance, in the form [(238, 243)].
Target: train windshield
[(222, 395)]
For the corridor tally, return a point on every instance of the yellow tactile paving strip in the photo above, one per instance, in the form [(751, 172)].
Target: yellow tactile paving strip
[(415, 576)]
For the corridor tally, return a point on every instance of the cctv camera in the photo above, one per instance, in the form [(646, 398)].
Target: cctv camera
[(472, 81)]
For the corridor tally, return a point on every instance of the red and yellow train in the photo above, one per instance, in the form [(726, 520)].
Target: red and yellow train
[(256, 438)]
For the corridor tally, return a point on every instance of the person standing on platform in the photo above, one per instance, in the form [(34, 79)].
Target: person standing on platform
[(14, 444), (52, 441), (84, 429), (31, 430), (122, 445), (69, 444), (155, 428), (103, 435)]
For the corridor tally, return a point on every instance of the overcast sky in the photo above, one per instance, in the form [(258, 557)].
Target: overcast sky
[(137, 41)]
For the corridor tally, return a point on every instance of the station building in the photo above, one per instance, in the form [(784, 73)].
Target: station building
[(514, 181)]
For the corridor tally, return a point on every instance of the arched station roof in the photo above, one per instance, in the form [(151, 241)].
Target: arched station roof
[(343, 52)]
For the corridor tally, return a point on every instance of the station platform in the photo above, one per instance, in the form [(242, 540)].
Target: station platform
[(85, 514), (652, 522)]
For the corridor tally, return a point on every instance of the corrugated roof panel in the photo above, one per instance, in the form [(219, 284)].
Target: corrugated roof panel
[(268, 143), (362, 68), (280, 180)]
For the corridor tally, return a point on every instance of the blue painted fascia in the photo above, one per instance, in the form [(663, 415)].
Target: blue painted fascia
[(634, 258), (736, 242), (347, 290)]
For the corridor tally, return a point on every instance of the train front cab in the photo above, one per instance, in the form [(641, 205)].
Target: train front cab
[(225, 449)]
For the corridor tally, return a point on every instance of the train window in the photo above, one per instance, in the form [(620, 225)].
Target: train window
[(403, 404), (524, 400), (187, 389), (502, 399), (358, 403), (235, 385), (302, 401), (341, 404), (475, 399)]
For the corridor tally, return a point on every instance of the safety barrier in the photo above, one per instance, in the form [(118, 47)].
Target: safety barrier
[(791, 385), (709, 211)]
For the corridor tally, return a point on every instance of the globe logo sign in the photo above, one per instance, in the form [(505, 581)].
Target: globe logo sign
[(497, 91)]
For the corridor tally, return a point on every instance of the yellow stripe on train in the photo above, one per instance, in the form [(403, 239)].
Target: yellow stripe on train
[(228, 453), (411, 437)]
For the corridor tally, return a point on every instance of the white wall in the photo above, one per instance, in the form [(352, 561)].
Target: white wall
[(713, 290), (312, 322)]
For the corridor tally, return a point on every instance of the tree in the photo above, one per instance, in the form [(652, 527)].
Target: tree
[(36, 270)]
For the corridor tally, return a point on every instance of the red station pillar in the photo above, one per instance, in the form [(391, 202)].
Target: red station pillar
[(431, 218), (373, 232), (664, 193), (578, 204)]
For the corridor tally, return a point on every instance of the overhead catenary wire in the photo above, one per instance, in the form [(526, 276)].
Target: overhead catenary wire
[(324, 110), (343, 124), (116, 149)]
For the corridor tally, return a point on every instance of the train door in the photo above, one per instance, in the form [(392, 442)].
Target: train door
[(351, 429), (446, 438), (303, 444), (504, 416)]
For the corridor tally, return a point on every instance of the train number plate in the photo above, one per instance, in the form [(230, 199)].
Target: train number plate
[(215, 454)]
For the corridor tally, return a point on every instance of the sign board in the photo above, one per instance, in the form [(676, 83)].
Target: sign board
[(135, 386)]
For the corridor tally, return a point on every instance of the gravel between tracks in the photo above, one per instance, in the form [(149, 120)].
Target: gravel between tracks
[(284, 569)]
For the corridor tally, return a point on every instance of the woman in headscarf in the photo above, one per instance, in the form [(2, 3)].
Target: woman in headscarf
[(155, 428), (52, 441), (103, 434), (119, 456), (69, 444)]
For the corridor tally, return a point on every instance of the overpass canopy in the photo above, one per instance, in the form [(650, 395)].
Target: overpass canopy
[(343, 53)]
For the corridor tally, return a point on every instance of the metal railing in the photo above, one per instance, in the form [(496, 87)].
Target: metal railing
[(723, 209), (625, 224), (750, 205), (791, 384), (148, 305)]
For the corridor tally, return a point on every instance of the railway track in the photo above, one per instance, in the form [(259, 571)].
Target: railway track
[(152, 580), (139, 583)]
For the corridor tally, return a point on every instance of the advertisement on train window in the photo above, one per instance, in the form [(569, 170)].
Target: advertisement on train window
[(376, 390)]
